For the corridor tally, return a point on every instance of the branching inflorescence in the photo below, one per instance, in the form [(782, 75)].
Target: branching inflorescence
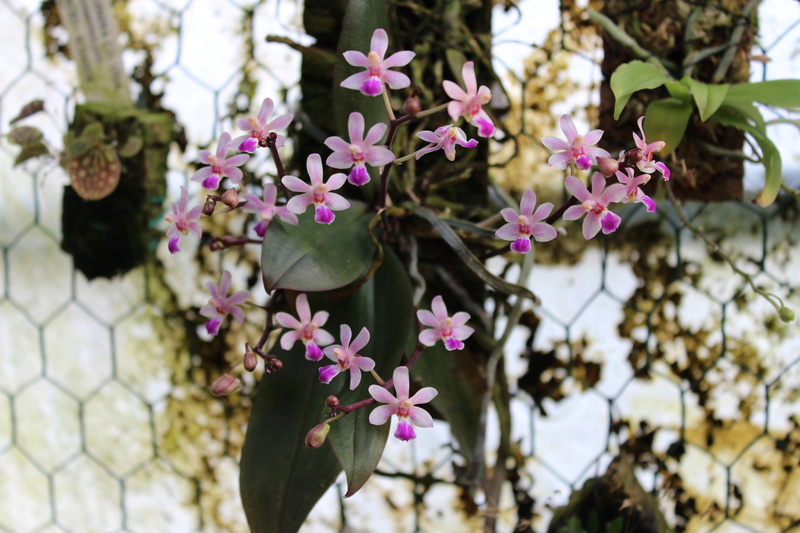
[(615, 181)]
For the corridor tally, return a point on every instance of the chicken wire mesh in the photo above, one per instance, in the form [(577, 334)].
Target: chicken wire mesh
[(646, 347)]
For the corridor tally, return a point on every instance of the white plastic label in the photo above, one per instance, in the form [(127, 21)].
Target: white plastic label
[(93, 44)]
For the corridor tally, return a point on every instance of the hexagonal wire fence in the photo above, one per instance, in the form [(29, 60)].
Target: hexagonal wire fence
[(647, 347)]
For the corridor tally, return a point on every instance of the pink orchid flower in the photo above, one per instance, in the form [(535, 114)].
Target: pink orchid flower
[(444, 138), (220, 304), (182, 222), (259, 128), (450, 330), (317, 193), (469, 103), (347, 357), (522, 226), (307, 329), (370, 82), (359, 150), (632, 191), (402, 406), (579, 149), (266, 209), (221, 167), (594, 205), (646, 163)]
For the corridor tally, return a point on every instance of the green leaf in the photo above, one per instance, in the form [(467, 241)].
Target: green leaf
[(470, 261), (280, 479), (707, 97), (666, 121), (679, 90), (23, 135), (632, 77), (361, 19), (748, 111), (458, 379), (313, 257), (384, 306), (780, 93), (771, 157), (29, 151)]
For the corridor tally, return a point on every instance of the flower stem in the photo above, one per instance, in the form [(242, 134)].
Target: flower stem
[(377, 377), (431, 111), (388, 104)]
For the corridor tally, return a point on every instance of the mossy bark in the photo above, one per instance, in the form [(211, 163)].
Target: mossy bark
[(680, 32)]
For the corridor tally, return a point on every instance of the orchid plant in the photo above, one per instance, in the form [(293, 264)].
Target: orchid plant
[(346, 253)]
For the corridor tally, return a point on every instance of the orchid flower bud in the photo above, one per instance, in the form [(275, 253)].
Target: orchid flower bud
[(230, 198), (316, 437), (224, 385)]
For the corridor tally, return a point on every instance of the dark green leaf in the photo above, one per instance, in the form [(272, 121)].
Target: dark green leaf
[(314, 257), (29, 151), (781, 93), (666, 121), (383, 305), (707, 97), (360, 21), (771, 157), (472, 262), (632, 77), (460, 384), (280, 479)]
